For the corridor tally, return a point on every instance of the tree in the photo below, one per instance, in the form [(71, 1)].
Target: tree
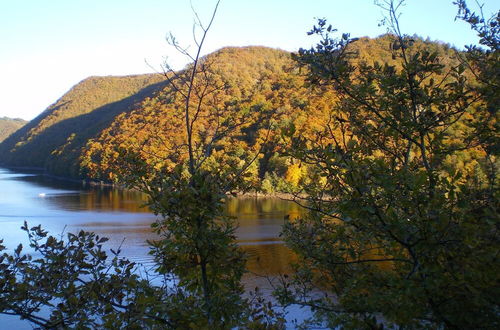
[(400, 233), (199, 263), (73, 283), (187, 187), (187, 175)]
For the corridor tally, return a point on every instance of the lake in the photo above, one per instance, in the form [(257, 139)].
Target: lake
[(60, 205)]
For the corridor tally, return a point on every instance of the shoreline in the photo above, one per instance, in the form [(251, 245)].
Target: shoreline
[(97, 183)]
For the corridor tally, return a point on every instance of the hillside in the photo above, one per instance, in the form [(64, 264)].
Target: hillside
[(103, 122), (9, 126), (78, 115), (251, 89), (264, 88)]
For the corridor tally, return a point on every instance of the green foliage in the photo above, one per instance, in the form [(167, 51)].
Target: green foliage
[(398, 235), (268, 185), (197, 245), (71, 282)]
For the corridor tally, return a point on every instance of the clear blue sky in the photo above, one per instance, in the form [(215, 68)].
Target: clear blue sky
[(48, 46)]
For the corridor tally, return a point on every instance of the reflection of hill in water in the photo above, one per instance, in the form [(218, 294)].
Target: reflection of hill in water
[(263, 208), (109, 199), (105, 199), (75, 196), (269, 259), (260, 221), (36, 178)]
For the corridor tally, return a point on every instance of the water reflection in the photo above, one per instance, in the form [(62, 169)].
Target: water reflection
[(75, 195), (269, 259), (102, 199), (121, 216)]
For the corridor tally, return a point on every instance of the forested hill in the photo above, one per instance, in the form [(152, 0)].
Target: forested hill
[(9, 126), (55, 136), (84, 132)]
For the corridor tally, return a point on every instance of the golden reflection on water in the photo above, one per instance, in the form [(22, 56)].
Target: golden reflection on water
[(115, 200), (260, 221), (269, 259), (265, 207), (111, 200)]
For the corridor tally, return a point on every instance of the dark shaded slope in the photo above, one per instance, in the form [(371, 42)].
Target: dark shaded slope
[(84, 111)]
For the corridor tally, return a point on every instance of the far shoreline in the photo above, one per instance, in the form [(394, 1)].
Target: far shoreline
[(98, 183)]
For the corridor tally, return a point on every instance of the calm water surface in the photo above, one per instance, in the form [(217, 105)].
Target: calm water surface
[(68, 206)]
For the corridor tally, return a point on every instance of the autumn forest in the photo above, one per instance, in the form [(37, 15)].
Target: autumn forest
[(389, 143)]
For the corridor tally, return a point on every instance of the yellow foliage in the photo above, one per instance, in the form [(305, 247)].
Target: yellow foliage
[(294, 174)]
